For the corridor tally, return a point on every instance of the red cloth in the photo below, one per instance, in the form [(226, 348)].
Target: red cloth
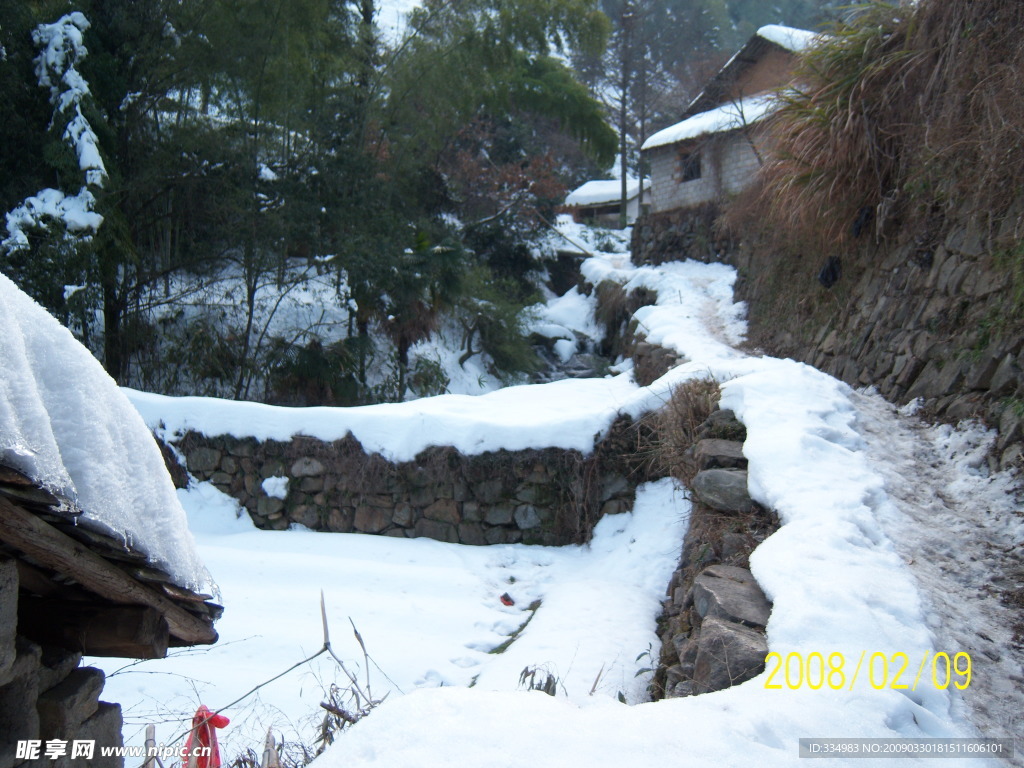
[(203, 734)]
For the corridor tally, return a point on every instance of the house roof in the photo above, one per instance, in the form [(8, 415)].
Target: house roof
[(87, 509), (727, 117), (772, 36), (66, 425), (604, 191)]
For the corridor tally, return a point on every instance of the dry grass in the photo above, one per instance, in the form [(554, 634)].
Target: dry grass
[(677, 426), (615, 308), (904, 114)]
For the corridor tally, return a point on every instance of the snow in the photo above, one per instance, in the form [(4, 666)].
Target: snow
[(790, 38), (75, 211), (275, 487), (65, 424), (429, 612), (61, 48), (727, 117), (561, 414), (604, 191)]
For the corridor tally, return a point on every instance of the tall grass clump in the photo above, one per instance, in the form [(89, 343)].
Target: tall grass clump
[(900, 113)]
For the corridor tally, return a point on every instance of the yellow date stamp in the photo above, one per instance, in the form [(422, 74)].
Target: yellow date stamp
[(816, 671)]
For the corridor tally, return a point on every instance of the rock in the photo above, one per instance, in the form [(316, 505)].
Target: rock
[(714, 453), (488, 491), (56, 664), (268, 505), (723, 424), (433, 529), (471, 511), (311, 484), (8, 614), (686, 647), (1007, 375), (403, 515), (104, 728), (727, 654), (69, 703), (307, 515), (724, 490), (735, 545), (203, 460), (614, 507), (730, 593), (339, 520), (443, 510), (613, 485), (499, 514), (472, 533), (422, 496), (371, 519), (526, 517), (307, 467)]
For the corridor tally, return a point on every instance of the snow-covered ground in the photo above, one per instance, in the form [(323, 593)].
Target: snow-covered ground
[(843, 573)]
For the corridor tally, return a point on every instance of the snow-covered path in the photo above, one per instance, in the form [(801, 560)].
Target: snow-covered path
[(957, 528)]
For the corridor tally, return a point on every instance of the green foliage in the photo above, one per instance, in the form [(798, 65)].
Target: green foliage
[(493, 322), (313, 374)]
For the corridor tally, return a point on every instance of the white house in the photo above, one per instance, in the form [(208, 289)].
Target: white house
[(599, 201), (713, 152)]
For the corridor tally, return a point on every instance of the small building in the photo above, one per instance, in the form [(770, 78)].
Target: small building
[(599, 202), (714, 152), (95, 553)]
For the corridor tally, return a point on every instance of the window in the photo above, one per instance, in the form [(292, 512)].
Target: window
[(689, 166)]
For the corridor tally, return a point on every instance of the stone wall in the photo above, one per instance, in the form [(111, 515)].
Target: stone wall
[(934, 315), (679, 234), (543, 496), (714, 617), (45, 695)]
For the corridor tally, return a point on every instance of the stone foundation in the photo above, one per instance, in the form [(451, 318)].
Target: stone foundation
[(45, 695), (677, 235)]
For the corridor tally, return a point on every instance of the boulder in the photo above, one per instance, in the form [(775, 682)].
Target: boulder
[(724, 490), (727, 654), (307, 467), (731, 594), (443, 510), (526, 517), (713, 453), (371, 519)]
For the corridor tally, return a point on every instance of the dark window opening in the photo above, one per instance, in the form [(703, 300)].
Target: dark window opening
[(689, 166)]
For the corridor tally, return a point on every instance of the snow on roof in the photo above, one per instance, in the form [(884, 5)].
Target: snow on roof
[(790, 38), (604, 191), (65, 424), (727, 117)]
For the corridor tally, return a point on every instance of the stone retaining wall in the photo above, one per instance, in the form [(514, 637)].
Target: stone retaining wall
[(679, 234), (544, 496), (935, 315), (45, 695)]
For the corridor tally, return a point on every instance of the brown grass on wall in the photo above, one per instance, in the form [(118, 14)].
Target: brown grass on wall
[(901, 114)]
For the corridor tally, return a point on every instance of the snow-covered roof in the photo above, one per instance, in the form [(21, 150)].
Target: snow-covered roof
[(718, 87), (727, 117), (65, 424), (790, 38), (604, 191)]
